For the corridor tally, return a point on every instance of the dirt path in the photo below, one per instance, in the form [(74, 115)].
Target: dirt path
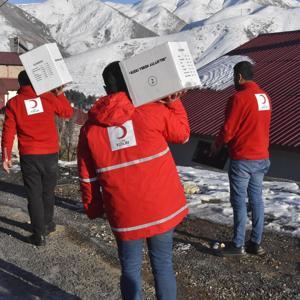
[(80, 259)]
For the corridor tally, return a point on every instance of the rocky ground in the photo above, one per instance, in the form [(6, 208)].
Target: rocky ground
[(80, 259)]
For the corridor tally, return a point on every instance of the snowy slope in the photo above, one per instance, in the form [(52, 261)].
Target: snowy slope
[(155, 17), (80, 25), (99, 34), (16, 22), (223, 35), (207, 41), (211, 201), (160, 20), (194, 10), (187, 10)]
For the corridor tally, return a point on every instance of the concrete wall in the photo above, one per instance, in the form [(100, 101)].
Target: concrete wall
[(183, 154), (284, 164), (10, 71)]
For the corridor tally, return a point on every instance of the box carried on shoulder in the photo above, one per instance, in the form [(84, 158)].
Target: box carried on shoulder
[(46, 68), (159, 72)]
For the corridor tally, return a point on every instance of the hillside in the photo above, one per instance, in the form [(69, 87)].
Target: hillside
[(96, 33)]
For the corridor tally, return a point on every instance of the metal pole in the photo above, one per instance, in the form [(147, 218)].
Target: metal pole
[(3, 3)]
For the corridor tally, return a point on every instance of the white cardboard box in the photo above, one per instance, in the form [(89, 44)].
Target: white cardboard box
[(45, 68), (159, 72)]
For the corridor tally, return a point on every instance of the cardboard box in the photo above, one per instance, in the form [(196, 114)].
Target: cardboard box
[(202, 156), (159, 72), (46, 68)]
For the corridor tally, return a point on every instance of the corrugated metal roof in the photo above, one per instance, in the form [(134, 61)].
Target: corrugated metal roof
[(277, 71), (10, 58), (8, 84)]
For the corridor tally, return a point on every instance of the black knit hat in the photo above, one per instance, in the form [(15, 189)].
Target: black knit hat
[(113, 79), (23, 79)]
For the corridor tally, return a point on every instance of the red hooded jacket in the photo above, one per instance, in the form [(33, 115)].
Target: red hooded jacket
[(124, 150), (32, 118), (247, 124)]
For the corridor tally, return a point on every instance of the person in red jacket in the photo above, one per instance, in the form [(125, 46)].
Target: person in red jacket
[(128, 173), (32, 119), (246, 132)]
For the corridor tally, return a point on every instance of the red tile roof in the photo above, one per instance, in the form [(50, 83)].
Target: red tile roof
[(10, 58), (277, 70)]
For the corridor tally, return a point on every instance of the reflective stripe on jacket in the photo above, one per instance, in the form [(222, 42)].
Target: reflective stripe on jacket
[(124, 150)]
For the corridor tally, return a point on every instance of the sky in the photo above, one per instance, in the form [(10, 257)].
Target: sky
[(33, 1)]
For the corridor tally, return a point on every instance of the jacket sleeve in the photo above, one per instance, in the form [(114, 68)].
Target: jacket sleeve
[(177, 128), (233, 118), (89, 184), (63, 107), (8, 133)]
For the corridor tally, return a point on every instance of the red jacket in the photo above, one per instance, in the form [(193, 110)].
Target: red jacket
[(32, 118), (247, 124), (124, 150)]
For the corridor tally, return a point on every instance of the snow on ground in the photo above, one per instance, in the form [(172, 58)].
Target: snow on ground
[(65, 164), (208, 198), (282, 200)]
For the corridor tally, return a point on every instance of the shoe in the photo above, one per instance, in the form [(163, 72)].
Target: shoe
[(232, 250), (254, 248), (51, 227), (37, 239)]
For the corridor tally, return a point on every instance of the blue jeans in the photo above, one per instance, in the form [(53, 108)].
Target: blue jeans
[(246, 178), (160, 250)]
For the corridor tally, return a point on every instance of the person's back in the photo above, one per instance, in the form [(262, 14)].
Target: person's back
[(251, 116), (134, 164), (246, 132), (124, 151), (32, 119)]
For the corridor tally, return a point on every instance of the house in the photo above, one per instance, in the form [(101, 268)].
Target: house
[(10, 67), (277, 70)]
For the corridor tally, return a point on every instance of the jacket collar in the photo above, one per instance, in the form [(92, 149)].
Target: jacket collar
[(111, 110), (27, 90), (249, 85)]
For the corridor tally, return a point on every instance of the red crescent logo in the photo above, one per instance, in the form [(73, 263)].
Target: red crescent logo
[(265, 99), (34, 103), (124, 132)]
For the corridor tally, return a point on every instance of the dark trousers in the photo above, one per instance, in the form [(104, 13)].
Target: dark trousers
[(40, 176)]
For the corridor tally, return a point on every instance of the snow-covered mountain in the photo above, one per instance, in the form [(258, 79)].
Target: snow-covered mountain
[(207, 39), (96, 33), (193, 10), (187, 10), (15, 22), (80, 25), (158, 17)]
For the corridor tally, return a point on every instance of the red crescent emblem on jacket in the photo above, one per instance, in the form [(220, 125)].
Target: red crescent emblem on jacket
[(265, 99), (124, 132), (34, 103)]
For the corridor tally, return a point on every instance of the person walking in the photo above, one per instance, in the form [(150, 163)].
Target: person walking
[(246, 132), (124, 151), (32, 119)]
